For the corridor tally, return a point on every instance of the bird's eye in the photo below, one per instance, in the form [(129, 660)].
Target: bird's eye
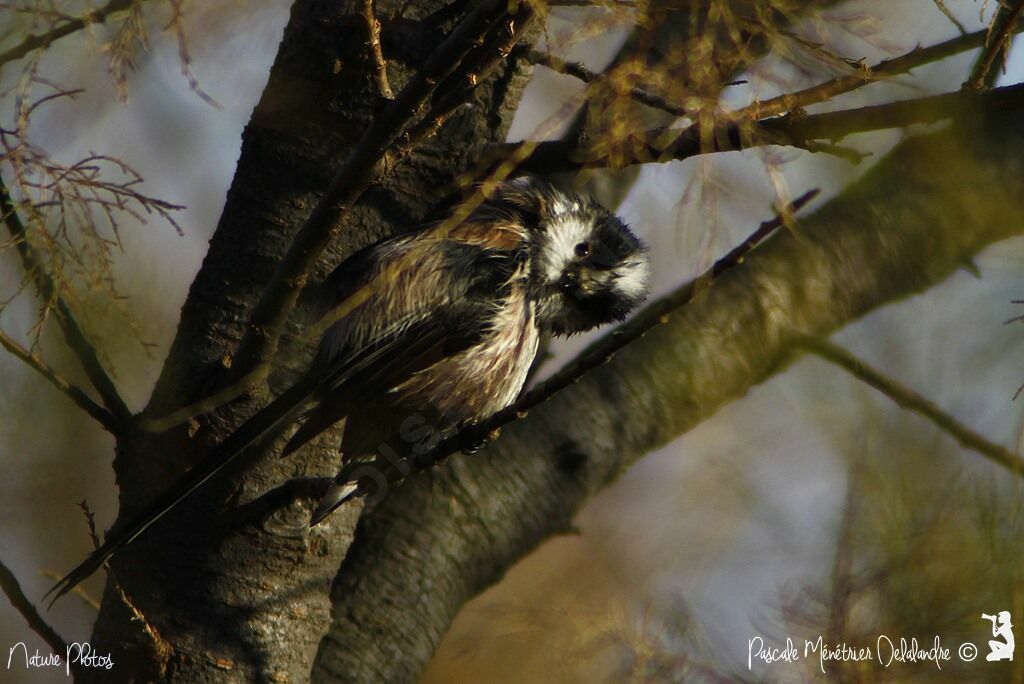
[(583, 250)]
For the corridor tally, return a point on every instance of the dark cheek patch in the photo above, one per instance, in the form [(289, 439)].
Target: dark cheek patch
[(603, 307), (602, 258)]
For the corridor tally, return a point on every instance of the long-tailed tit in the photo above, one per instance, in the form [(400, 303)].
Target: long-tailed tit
[(437, 328)]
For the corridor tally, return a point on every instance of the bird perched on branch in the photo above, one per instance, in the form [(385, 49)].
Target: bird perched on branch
[(432, 331)]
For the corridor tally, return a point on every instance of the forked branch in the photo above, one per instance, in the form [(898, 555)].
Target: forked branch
[(73, 392), (795, 129), (75, 336)]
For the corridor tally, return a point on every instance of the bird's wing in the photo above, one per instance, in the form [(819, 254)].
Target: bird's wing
[(417, 340), (384, 363)]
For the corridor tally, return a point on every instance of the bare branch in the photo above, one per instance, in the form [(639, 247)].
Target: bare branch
[(997, 46), (662, 145), (76, 394), (912, 401), (578, 70), (379, 63), (43, 40), (73, 333), (866, 75), (11, 587), (177, 29), (362, 168), (941, 5)]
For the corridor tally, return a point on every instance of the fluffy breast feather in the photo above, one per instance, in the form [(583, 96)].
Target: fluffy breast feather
[(489, 375)]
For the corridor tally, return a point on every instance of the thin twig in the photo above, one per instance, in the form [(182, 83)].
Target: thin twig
[(43, 40), (379, 64), (997, 45), (90, 521), (11, 587), (84, 596), (795, 129), (912, 401), (206, 404), (949, 15), (866, 75), (73, 333), (362, 168), (598, 354), (578, 70), (76, 394), (496, 47)]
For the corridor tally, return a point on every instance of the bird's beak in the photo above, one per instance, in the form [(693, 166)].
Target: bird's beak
[(578, 282)]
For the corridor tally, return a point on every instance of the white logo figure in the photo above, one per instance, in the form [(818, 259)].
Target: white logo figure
[(1001, 627)]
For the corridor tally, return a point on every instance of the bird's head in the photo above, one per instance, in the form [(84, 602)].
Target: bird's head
[(587, 267)]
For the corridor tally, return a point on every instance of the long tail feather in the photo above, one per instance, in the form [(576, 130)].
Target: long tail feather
[(279, 411), (322, 418), (337, 494)]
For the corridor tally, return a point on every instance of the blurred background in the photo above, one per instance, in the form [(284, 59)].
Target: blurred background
[(812, 506)]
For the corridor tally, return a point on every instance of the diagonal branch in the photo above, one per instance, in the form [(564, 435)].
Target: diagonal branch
[(601, 352), (867, 75), (76, 394), (75, 336), (864, 75), (42, 40), (912, 401), (907, 224), (10, 586), (997, 45), (364, 167), (795, 129), (581, 72)]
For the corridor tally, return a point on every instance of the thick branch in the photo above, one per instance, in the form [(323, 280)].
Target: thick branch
[(793, 129), (655, 314), (77, 341), (912, 401), (234, 579), (73, 392), (906, 225)]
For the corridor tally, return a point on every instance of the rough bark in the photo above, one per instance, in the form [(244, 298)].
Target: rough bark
[(242, 595), (438, 541)]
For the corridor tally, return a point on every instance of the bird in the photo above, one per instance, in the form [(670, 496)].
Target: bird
[(432, 331)]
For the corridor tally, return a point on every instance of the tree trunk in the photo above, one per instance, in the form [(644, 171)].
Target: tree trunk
[(233, 586), (234, 579)]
